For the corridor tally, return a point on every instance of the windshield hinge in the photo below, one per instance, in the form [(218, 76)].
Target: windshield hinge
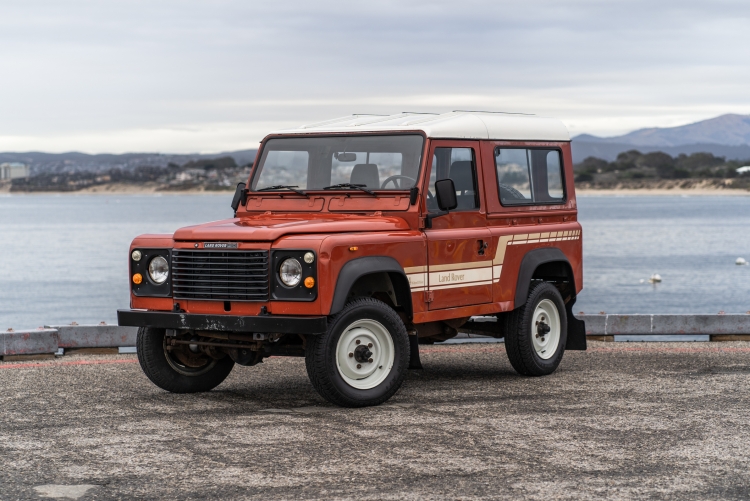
[(429, 296), (413, 194)]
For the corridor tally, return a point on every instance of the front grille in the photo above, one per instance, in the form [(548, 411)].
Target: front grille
[(220, 275)]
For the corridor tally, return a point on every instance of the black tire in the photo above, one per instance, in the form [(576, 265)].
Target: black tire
[(169, 374), (321, 357), (519, 333)]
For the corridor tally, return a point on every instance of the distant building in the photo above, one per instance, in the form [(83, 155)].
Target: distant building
[(744, 169), (13, 170)]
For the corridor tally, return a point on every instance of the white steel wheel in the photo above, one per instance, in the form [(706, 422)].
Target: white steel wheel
[(545, 329), (365, 354)]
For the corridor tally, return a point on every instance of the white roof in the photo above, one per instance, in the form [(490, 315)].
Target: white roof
[(456, 125)]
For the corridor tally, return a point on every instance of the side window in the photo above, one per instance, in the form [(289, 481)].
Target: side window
[(459, 165), (529, 176)]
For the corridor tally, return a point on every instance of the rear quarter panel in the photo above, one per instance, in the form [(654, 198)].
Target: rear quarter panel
[(518, 229)]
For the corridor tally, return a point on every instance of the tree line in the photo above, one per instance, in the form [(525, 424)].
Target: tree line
[(633, 165)]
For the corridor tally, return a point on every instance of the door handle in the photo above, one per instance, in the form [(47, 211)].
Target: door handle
[(482, 247)]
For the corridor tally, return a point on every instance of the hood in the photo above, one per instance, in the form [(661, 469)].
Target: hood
[(267, 229)]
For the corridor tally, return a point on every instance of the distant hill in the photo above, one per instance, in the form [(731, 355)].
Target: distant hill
[(727, 130), (727, 136), (42, 163), (609, 151)]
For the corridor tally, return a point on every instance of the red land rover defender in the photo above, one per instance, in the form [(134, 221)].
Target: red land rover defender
[(357, 238)]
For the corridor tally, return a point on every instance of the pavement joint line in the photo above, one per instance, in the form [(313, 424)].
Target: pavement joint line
[(12, 365), (667, 349), (468, 349)]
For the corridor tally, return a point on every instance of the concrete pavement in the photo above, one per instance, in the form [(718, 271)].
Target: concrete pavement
[(630, 420)]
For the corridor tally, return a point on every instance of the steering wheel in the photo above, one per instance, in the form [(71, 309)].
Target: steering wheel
[(510, 192), (398, 185)]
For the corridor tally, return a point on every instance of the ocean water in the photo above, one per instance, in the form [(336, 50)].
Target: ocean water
[(691, 241), (64, 258)]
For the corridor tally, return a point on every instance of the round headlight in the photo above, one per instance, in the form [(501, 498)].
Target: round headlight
[(290, 272), (309, 257), (136, 255), (158, 270)]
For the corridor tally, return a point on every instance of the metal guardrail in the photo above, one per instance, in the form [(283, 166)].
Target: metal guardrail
[(717, 327), (50, 339), (646, 327)]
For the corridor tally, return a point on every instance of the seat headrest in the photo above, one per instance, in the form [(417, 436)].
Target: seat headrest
[(461, 173), (366, 174)]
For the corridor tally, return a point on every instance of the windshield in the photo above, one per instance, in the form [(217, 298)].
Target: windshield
[(315, 163)]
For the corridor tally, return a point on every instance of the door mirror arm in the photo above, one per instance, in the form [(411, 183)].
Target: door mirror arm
[(432, 215)]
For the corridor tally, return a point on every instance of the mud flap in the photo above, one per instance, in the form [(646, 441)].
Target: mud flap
[(414, 362), (576, 329)]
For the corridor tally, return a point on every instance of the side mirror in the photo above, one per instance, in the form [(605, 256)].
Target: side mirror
[(445, 192), (240, 193)]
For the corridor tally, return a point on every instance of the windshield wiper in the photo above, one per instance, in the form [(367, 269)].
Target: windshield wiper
[(350, 185), (285, 187)]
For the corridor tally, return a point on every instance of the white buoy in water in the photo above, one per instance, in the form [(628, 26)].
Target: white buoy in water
[(740, 261), (655, 278)]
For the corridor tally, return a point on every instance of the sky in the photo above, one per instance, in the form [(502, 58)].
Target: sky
[(183, 76)]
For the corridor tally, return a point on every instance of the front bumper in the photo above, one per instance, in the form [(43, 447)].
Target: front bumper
[(271, 324)]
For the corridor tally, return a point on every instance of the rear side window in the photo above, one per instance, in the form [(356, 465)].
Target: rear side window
[(529, 176)]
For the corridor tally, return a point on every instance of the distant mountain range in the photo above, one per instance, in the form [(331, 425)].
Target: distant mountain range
[(727, 136), (79, 162)]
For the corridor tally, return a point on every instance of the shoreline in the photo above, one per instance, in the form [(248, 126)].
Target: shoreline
[(701, 192), (120, 189), (154, 189)]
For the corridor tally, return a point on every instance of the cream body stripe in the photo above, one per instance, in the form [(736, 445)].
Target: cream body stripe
[(449, 276)]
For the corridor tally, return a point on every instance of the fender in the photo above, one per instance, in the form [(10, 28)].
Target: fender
[(358, 268), (531, 261)]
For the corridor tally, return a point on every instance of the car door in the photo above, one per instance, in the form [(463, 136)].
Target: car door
[(459, 253)]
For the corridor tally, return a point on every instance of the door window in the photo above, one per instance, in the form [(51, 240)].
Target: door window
[(529, 176), (459, 165)]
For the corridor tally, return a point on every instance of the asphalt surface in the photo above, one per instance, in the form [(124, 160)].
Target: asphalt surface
[(623, 420)]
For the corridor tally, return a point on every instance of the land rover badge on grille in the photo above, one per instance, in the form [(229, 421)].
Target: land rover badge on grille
[(219, 245)]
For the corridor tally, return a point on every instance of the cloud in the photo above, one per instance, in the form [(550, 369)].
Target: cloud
[(103, 76)]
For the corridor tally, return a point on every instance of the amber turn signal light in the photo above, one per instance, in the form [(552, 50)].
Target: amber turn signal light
[(352, 249), (309, 282), (137, 278)]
